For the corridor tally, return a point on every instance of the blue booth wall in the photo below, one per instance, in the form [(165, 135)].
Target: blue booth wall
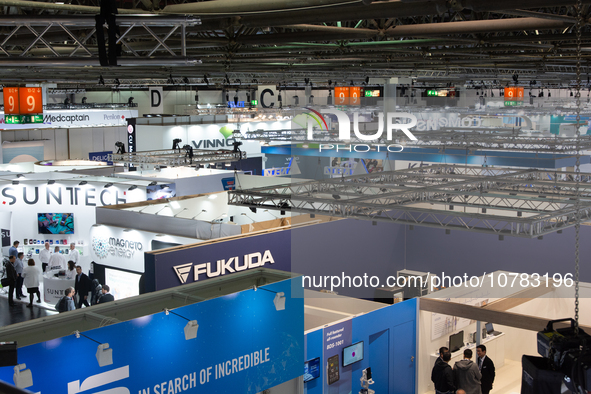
[(389, 336), (151, 355)]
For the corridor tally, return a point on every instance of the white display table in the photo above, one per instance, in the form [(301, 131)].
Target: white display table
[(495, 350), (53, 287)]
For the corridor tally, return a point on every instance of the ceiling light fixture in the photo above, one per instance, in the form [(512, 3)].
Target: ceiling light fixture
[(191, 327)]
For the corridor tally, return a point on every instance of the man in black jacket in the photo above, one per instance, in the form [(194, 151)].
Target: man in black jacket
[(82, 287), (11, 276), (106, 297), (487, 369), (442, 375)]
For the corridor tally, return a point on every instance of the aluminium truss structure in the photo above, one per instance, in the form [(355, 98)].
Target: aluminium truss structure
[(522, 203), (176, 157)]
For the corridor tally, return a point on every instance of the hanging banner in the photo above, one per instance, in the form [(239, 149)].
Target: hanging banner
[(156, 100)]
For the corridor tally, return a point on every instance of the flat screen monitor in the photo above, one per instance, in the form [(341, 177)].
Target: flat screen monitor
[(353, 353), (311, 369), (55, 223), (456, 341), (122, 284)]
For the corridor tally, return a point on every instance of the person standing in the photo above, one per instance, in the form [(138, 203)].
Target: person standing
[(66, 303), (487, 369), (82, 287), (44, 256), (57, 260), (71, 271), (31, 276), (106, 297), (18, 267), (442, 375), (74, 254), (466, 374), (11, 276), (13, 250)]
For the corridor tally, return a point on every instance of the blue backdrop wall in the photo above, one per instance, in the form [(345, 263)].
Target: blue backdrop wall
[(243, 345), (389, 339)]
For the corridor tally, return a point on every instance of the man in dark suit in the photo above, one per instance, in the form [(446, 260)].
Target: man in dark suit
[(487, 369), (82, 287), (106, 297)]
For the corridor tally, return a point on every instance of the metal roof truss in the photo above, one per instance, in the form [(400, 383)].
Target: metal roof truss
[(524, 203)]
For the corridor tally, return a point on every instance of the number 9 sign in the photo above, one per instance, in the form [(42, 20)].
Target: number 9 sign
[(31, 101), (11, 103)]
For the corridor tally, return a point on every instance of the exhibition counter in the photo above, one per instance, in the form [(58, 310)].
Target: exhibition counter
[(495, 350), (54, 286)]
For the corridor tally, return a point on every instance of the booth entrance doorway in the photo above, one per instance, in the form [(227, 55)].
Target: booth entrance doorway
[(404, 358), (379, 359)]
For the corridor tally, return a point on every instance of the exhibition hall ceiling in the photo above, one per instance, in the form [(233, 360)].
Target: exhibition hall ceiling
[(232, 43)]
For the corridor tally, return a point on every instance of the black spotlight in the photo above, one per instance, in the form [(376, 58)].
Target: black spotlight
[(252, 209), (132, 187), (175, 144), (130, 101), (120, 147)]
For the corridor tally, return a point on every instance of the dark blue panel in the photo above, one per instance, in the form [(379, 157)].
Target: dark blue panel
[(463, 252), (214, 260)]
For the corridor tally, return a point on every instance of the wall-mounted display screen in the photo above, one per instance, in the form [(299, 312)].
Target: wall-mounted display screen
[(311, 369), (456, 341), (353, 353), (55, 223)]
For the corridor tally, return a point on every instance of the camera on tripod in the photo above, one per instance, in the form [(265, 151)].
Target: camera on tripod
[(567, 353)]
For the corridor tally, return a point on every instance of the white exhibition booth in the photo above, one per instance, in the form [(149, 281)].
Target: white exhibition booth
[(505, 347), (64, 134)]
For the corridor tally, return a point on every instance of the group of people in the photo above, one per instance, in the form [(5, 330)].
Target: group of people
[(67, 303), (17, 275), (57, 259), (466, 377)]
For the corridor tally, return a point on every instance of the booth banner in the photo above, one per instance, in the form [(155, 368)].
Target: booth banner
[(201, 262), (156, 99), (229, 183), (112, 246), (242, 345), (5, 237), (336, 338), (77, 118), (100, 156)]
